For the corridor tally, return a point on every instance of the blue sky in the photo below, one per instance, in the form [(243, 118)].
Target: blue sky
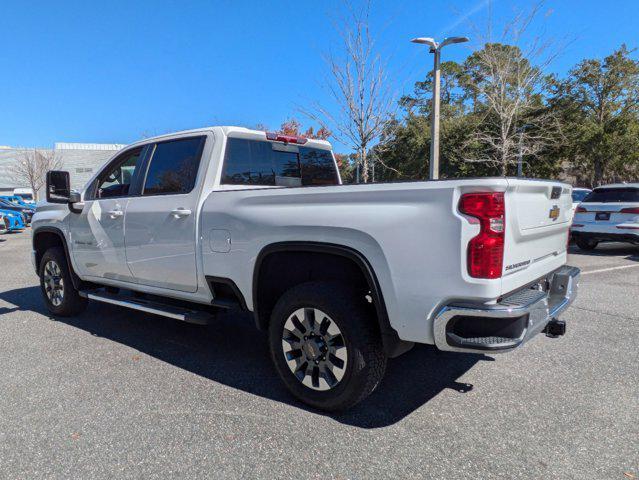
[(114, 71)]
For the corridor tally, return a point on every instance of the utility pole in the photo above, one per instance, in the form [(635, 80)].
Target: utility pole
[(435, 49)]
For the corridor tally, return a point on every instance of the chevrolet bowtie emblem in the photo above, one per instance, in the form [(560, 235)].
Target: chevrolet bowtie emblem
[(554, 213)]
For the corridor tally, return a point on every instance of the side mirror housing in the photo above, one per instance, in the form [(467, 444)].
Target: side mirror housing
[(58, 186), (75, 197)]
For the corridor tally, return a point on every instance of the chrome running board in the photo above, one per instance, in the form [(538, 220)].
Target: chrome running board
[(157, 308)]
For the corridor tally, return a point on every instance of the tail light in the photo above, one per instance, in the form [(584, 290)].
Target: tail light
[(633, 210), (276, 137), (581, 210), (486, 250)]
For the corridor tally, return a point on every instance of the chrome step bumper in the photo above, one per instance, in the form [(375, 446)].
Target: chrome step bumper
[(511, 322)]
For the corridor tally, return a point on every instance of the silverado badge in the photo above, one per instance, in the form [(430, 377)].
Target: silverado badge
[(554, 213)]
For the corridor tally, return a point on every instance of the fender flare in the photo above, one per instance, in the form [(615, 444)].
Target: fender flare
[(393, 345), (77, 283)]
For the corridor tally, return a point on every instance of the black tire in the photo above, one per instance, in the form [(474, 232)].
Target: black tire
[(366, 361), (586, 244), (70, 303)]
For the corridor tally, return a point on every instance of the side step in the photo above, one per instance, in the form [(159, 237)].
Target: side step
[(178, 313)]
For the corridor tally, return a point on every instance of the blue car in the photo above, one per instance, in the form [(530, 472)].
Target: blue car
[(16, 220), (18, 200), (28, 211)]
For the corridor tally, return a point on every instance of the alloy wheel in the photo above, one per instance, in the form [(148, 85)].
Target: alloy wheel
[(314, 349), (53, 283)]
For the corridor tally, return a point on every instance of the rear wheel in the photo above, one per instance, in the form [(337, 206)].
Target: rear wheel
[(586, 243), (59, 294), (326, 346)]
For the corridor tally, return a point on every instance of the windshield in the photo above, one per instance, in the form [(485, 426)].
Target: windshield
[(579, 195), (613, 195), (26, 196)]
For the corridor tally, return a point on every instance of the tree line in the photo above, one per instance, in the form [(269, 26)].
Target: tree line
[(501, 110), (498, 108)]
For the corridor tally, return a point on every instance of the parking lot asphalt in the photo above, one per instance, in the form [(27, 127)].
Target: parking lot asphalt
[(120, 394)]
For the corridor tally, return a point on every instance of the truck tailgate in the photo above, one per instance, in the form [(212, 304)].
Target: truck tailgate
[(538, 215)]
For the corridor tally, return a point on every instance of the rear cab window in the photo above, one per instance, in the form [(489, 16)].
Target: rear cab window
[(613, 195), (265, 163), (173, 166)]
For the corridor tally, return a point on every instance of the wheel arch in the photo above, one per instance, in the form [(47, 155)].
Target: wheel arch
[(48, 237), (393, 345)]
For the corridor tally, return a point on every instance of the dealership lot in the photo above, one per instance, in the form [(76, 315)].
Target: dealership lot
[(115, 393)]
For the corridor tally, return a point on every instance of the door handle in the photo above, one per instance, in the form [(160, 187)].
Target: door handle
[(115, 213), (181, 212)]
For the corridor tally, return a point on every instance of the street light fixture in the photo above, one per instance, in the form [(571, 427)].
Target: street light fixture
[(436, 48)]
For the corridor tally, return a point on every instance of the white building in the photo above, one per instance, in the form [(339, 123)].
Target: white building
[(81, 160)]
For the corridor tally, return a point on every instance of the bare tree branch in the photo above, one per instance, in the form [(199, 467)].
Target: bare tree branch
[(357, 82), (32, 167), (508, 80)]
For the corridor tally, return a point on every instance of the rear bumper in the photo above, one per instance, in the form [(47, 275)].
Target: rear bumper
[(511, 322), (608, 236)]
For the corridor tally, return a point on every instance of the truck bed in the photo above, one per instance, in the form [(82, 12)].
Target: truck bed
[(412, 234)]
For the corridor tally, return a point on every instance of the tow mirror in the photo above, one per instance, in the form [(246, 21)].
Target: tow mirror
[(58, 186)]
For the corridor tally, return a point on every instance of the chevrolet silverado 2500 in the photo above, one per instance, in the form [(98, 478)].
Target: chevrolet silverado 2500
[(341, 276)]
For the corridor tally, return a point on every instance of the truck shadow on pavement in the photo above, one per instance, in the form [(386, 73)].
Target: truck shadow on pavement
[(233, 352)]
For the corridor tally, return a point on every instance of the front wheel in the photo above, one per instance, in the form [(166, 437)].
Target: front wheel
[(59, 294), (326, 345)]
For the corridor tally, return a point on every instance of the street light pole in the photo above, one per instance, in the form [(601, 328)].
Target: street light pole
[(435, 49), (434, 123)]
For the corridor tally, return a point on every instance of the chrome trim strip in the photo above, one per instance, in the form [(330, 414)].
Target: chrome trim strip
[(539, 313)]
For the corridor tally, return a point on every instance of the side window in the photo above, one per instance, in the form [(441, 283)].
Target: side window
[(252, 162), (174, 165), (318, 167), (115, 181)]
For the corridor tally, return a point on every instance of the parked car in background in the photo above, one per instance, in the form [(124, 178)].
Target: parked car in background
[(578, 195), (14, 221), (27, 211), (17, 200), (608, 214), (25, 193), (4, 223), (30, 203)]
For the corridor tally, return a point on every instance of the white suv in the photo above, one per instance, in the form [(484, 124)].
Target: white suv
[(578, 195), (608, 214)]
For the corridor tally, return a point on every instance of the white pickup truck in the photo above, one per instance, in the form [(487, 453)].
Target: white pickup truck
[(341, 276)]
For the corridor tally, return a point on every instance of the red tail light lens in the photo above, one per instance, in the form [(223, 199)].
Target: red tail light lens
[(634, 210), (581, 210), (486, 250)]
